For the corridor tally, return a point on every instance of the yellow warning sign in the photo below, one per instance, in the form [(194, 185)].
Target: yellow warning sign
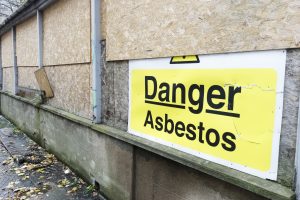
[(226, 115), (184, 59)]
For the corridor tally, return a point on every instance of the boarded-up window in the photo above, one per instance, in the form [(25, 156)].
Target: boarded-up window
[(67, 32)]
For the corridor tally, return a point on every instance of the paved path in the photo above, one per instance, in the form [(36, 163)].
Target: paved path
[(29, 172)]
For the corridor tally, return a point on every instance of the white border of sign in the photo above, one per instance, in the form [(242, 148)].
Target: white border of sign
[(274, 59)]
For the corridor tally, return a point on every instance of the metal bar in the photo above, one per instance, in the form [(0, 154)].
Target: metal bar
[(1, 69), (96, 60), (40, 37), (297, 160), (15, 65)]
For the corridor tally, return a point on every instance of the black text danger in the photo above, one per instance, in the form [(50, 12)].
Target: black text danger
[(177, 95)]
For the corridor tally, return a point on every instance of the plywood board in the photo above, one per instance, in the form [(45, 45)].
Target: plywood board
[(6, 49), (43, 82), (27, 78), (71, 87), (67, 32), (8, 79), (147, 29), (103, 19), (27, 42)]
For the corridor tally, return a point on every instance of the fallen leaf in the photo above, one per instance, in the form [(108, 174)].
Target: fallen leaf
[(25, 178), (63, 183), (7, 162), (73, 190), (11, 185), (41, 170)]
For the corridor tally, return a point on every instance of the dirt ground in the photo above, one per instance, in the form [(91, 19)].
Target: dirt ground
[(28, 172)]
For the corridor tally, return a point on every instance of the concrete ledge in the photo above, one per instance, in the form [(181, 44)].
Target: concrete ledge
[(31, 113), (265, 188)]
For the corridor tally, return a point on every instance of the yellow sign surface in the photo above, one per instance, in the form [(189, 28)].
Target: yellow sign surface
[(227, 114), (184, 59)]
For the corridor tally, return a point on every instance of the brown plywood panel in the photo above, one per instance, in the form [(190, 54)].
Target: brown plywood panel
[(71, 88), (103, 19), (27, 77), (44, 84), (146, 29), (7, 50), (8, 79), (67, 32), (27, 42)]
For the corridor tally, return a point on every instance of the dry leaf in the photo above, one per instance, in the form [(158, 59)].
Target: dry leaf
[(73, 190)]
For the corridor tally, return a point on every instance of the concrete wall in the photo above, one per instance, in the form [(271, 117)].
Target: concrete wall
[(93, 155), (115, 94), (158, 178), (19, 113), (288, 137), (122, 170), (149, 29)]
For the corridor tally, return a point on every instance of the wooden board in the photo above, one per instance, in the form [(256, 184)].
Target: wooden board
[(8, 74), (149, 29), (26, 77), (71, 86), (66, 38), (27, 42), (43, 82), (7, 49)]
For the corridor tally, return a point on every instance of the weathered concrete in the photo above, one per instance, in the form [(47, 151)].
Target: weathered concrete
[(95, 156), (24, 116), (158, 178), (115, 94), (286, 169), (24, 178)]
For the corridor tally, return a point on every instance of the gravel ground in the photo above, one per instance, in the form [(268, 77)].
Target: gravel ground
[(28, 172)]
